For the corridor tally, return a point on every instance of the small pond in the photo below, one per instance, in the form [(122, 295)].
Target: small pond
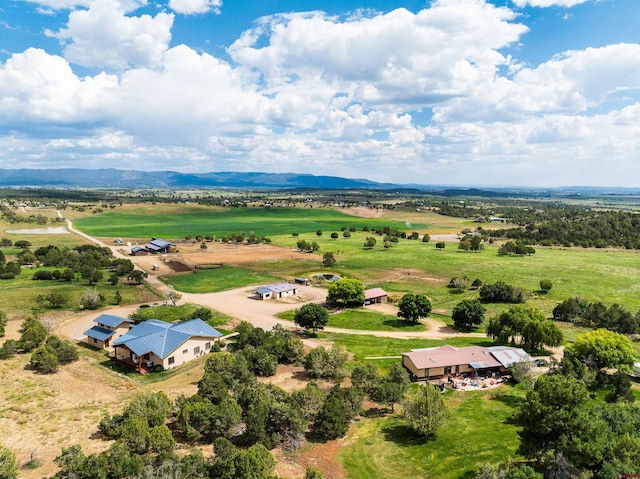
[(50, 230)]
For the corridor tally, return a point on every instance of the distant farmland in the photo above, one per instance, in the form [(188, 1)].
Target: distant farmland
[(176, 222)]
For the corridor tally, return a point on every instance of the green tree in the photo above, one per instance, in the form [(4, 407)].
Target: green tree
[(92, 275), (117, 297), (311, 473), (311, 316), (346, 291), (546, 285), (55, 299), (440, 245), (366, 378), (44, 360), (33, 334), (426, 238), (3, 323), (412, 307), (334, 235), (137, 276), (468, 314), (8, 464), (425, 410), (369, 242), (549, 414), (326, 363), (91, 299), (160, 440), (602, 348), (328, 259)]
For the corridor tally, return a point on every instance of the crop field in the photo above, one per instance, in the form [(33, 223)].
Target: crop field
[(177, 222)]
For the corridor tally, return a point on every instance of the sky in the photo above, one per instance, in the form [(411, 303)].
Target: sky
[(540, 93)]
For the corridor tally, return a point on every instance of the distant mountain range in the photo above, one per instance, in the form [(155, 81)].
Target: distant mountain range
[(112, 178), (67, 178)]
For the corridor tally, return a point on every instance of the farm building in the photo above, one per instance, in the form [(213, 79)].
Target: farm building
[(448, 360), (108, 328), (275, 291), (375, 295), (139, 251), (155, 246), (152, 343), (304, 281)]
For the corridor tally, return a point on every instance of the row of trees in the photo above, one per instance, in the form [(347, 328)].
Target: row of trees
[(526, 326), (615, 318)]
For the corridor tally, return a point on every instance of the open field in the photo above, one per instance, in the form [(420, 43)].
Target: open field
[(218, 279), (478, 432), (171, 221), (365, 320)]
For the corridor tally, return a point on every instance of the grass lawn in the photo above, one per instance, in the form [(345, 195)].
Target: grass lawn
[(176, 221), (366, 345), (173, 314), (477, 432), (219, 279), (362, 319)]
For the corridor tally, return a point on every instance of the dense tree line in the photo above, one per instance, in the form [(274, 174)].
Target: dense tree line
[(500, 292), (597, 229), (597, 315), (526, 326), (566, 430)]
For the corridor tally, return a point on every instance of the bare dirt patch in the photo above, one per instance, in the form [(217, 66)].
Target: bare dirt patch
[(364, 212), (189, 256), (409, 275), (323, 457)]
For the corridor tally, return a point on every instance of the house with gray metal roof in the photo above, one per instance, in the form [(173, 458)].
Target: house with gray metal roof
[(157, 343), (448, 360), (107, 329)]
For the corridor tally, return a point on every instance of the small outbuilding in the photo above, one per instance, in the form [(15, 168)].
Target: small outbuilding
[(375, 295), (276, 291)]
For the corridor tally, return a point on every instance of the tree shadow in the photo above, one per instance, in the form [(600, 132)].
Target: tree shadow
[(402, 435), (398, 323)]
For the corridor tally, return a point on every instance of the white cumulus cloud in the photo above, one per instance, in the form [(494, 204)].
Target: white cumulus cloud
[(191, 7), (104, 36), (549, 3)]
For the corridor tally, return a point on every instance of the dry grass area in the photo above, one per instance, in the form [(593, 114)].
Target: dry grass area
[(41, 414)]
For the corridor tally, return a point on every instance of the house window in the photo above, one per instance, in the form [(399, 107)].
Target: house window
[(185, 351), (196, 350), (171, 360), (95, 340), (207, 345), (145, 357)]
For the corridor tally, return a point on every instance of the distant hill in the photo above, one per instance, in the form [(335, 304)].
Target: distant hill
[(112, 178)]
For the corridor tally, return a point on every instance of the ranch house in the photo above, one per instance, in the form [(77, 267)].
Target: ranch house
[(430, 363), (108, 328), (276, 291), (153, 342), (375, 295)]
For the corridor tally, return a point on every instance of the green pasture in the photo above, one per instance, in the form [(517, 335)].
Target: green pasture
[(19, 295), (610, 276), (478, 432), (179, 221), (218, 279), (364, 320)]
